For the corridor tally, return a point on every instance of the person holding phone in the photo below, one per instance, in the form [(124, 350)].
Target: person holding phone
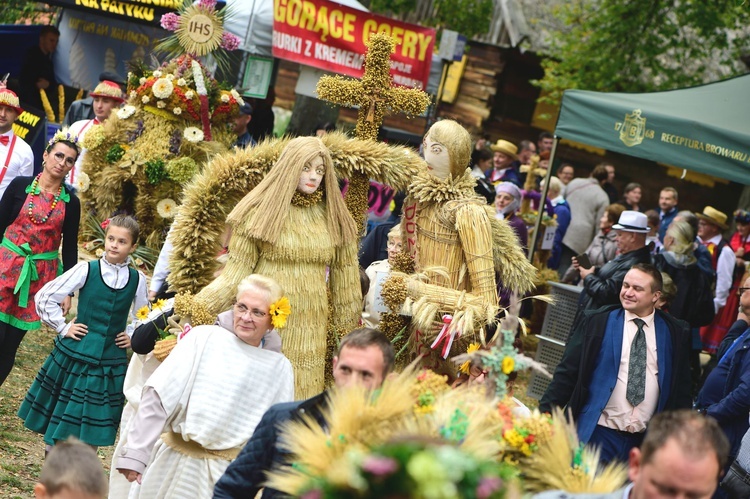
[(601, 286)]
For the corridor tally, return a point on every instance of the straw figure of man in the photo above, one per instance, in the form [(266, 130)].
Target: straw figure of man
[(456, 245)]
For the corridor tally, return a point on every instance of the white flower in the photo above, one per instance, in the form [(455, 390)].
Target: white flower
[(166, 208), (125, 112), (224, 98), (177, 111), (200, 84), (145, 99), (142, 80), (193, 134), (189, 95), (157, 74), (99, 252), (170, 77), (161, 104), (162, 89), (133, 93), (235, 94), (181, 82), (83, 182)]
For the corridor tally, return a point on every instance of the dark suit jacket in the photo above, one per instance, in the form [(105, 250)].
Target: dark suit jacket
[(573, 385), (246, 474)]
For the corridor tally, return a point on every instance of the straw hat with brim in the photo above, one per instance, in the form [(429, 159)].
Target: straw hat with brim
[(632, 221), (714, 216), (108, 89), (505, 147), (10, 99)]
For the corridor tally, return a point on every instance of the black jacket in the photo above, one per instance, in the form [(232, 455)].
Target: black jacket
[(573, 375), (245, 475), (602, 288)]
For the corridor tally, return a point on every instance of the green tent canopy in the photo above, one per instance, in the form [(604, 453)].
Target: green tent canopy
[(704, 128)]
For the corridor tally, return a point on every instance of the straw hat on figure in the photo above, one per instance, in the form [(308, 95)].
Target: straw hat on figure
[(456, 246)]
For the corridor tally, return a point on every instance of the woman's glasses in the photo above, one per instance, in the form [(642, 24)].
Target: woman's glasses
[(241, 310), (60, 157)]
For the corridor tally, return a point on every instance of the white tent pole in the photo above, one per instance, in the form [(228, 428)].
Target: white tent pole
[(543, 200)]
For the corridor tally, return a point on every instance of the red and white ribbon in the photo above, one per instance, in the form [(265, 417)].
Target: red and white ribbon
[(444, 337)]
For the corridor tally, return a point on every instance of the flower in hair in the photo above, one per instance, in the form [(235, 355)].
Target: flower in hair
[(280, 310)]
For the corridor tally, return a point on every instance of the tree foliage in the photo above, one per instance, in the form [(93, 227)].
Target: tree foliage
[(24, 11), (644, 45), (468, 17)]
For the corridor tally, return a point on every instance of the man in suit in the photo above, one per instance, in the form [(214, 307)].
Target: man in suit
[(365, 357), (682, 456), (621, 366)]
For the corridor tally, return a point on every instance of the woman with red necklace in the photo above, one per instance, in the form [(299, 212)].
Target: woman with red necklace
[(36, 213)]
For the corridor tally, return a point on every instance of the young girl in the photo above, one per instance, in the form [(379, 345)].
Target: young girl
[(79, 389)]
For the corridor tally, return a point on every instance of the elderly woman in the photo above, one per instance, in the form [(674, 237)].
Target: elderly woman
[(36, 214), (603, 248), (201, 406), (294, 227), (507, 202)]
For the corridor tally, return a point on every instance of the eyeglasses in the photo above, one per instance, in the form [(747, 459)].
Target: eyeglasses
[(476, 370), (741, 290), (241, 310), (60, 157)]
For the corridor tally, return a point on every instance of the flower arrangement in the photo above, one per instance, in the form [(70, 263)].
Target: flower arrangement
[(522, 436), (425, 392), (280, 310), (416, 469)]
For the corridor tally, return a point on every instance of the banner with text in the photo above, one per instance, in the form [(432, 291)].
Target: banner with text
[(134, 11), (331, 36)]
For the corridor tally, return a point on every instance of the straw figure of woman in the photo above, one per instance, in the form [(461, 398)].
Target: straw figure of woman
[(292, 227)]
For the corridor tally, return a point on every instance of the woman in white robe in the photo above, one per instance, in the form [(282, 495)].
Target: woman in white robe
[(201, 406)]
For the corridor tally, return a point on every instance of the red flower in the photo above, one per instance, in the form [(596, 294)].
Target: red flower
[(105, 224)]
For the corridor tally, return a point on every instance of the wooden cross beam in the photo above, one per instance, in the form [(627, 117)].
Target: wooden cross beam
[(375, 95)]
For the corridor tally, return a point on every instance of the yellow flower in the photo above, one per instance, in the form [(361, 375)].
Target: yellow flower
[(466, 366), (279, 311), (142, 313), (508, 365), (159, 304)]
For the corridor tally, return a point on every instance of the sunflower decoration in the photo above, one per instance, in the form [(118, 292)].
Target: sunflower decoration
[(280, 310), (466, 366), (142, 313)]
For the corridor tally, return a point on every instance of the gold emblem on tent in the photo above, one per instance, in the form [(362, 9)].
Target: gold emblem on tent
[(633, 130)]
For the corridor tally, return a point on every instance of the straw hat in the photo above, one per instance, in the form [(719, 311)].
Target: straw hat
[(632, 221), (505, 147), (713, 216), (108, 89), (10, 99)]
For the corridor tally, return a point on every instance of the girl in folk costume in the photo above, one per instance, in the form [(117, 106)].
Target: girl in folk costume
[(294, 228), (107, 96), (36, 213), (79, 389)]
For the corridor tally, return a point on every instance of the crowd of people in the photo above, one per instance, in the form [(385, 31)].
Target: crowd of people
[(657, 288)]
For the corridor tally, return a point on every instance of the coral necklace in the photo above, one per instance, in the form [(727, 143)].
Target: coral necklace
[(35, 191)]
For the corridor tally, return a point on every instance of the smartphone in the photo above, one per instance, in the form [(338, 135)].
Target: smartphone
[(583, 261)]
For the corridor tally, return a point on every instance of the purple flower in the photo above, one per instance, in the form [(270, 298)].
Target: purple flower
[(487, 486), (379, 466), (229, 41), (207, 4), (170, 21), (312, 494)]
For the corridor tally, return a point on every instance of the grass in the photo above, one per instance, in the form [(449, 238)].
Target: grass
[(21, 450)]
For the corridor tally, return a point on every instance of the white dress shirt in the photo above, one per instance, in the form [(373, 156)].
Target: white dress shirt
[(54, 292), (80, 128), (20, 163), (724, 270), (619, 414), (161, 269)]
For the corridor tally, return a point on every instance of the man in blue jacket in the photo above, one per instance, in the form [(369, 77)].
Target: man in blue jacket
[(365, 357), (621, 366), (725, 395)]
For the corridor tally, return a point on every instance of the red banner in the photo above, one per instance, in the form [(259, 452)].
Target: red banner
[(331, 36)]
